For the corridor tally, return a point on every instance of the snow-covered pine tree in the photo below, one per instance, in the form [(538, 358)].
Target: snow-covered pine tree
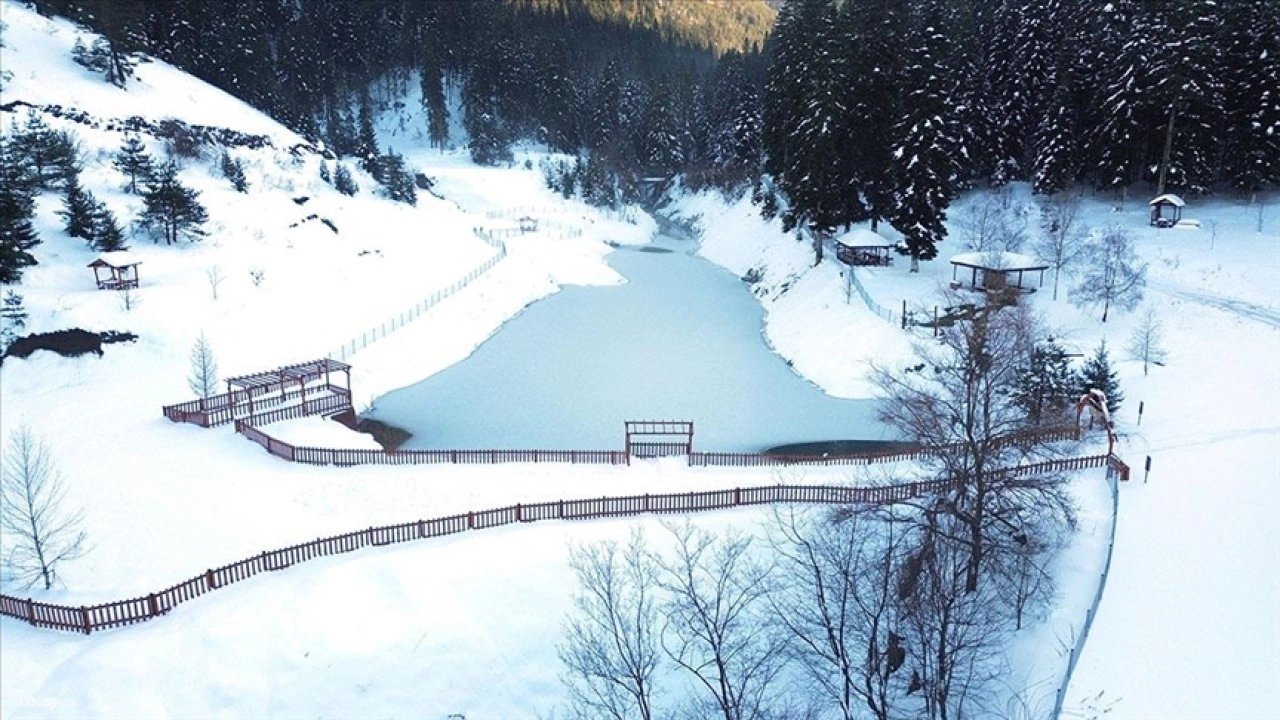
[(133, 161), (366, 141), (398, 179), (927, 141), (106, 235), (233, 170), (51, 154), (77, 209), (172, 210), (17, 234), (433, 101), (1122, 78), (1048, 385), (1187, 92), (324, 173), (343, 182), (1253, 95), (13, 318), (1098, 375)]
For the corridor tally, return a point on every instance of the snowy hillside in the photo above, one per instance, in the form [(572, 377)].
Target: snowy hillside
[(467, 626)]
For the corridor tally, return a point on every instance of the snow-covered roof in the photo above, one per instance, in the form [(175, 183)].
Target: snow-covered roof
[(862, 237), (998, 261), (1169, 198), (119, 258)]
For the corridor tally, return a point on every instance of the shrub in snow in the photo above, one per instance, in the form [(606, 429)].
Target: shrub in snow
[(67, 343)]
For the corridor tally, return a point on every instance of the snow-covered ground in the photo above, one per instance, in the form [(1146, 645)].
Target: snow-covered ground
[(1189, 626)]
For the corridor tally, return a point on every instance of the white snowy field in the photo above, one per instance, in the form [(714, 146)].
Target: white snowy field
[(1189, 626)]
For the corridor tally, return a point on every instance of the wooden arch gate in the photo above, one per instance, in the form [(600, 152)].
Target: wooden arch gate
[(659, 438)]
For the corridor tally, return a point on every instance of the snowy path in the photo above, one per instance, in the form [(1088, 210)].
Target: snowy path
[(1239, 308)]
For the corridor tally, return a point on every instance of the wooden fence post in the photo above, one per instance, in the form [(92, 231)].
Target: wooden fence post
[(737, 496), (210, 580), (422, 529), (471, 521), (84, 620), (519, 513), (152, 606)]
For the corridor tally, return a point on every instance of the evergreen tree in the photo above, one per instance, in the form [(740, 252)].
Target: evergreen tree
[(172, 210), (134, 162), (1253, 95), (233, 170), (398, 180), (77, 209), (927, 145), (433, 101), (13, 318), (342, 180), (324, 173), (17, 234), (1047, 386), (107, 235), (51, 154), (367, 141), (1098, 375)]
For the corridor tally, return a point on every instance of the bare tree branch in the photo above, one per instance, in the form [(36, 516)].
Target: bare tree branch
[(38, 531)]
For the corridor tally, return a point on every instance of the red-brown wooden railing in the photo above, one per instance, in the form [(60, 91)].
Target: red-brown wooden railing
[(125, 612)]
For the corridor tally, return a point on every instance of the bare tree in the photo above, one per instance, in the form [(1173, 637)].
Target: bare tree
[(40, 533), (203, 380), (215, 277), (610, 647), (1147, 342), (955, 633), (130, 298), (1213, 224), (960, 404), (1062, 238), (836, 599), (1114, 275), (991, 225), (718, 627)]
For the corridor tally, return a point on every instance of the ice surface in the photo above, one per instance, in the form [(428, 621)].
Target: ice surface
[(680, 341)]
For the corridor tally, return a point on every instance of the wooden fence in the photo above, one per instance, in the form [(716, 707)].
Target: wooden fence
[(86, 619)]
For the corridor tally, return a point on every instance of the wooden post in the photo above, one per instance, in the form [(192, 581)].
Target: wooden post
[(152, 605), (471, 521), (210, 580), (519, 513), (422, 529), (84, 620), (31, 611)]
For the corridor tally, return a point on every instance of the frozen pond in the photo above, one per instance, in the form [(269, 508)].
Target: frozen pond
[(681, 340)]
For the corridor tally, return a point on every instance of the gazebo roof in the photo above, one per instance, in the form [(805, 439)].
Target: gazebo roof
[(864, 238), (1168, 199), (116, 259), (301, 371), (1005, 261)]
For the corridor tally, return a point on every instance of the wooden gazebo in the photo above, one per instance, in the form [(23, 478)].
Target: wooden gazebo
[(289, 376), (993, 271), (1166, 211), (864, 247), (116, 270)]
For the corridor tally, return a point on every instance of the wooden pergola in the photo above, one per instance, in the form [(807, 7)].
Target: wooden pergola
[(682, 429), (996, 269), (121, 270), (864, 247), (1166, 210), (263, 383)]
